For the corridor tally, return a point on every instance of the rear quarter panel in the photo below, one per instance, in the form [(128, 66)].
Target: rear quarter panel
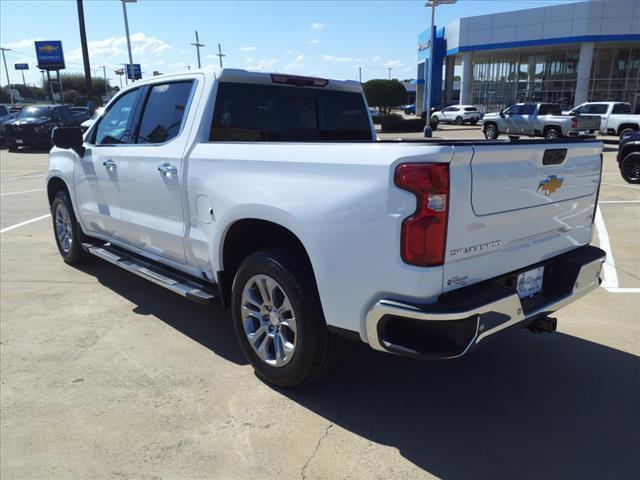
[(338, 199)]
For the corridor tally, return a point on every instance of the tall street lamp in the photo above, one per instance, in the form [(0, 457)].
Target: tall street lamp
[(433, 4), (126, 29)]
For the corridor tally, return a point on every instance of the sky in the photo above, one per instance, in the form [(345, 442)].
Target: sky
[(317, 38)]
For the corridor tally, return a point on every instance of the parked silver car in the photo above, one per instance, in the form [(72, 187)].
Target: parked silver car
[(538, 120)]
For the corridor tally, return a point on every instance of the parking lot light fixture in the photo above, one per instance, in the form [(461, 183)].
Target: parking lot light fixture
[(126, 29), (6, 71), (433, 4)]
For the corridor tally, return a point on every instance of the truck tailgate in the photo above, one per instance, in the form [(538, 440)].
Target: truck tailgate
[(587, 122), (512, 205)]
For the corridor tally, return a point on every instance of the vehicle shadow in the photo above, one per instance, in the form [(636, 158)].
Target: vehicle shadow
[(528, 406), (209, 326), (524, 406)]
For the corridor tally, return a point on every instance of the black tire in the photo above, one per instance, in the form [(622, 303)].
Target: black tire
[(12, 147), (434, 122), (630, 168), (552, 133), (459, 121), (72, 253), (314, 344), (625, 132), (491, 131), (474, 121)]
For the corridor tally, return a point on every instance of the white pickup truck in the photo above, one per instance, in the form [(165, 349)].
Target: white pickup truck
[(270, 193), (615, 117)]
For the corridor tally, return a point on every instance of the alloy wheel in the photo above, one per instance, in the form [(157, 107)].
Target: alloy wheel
[(269, 320), (64, 230)]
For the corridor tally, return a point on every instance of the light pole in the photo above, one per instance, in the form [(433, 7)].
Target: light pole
[(389, 72), (6, 71), (85, 51), (433, 4), (126, 29), (198, 45), (220, 54)]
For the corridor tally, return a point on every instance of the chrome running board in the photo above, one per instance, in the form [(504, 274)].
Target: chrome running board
[(188, 287)]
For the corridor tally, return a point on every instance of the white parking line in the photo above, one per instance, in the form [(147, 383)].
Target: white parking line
[(610, 276), (22, 177), (24, 191), (26, 222), (618, 185), (619, 201)]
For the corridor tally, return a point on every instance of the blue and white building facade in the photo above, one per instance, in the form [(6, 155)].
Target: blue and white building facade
[(567, 54)]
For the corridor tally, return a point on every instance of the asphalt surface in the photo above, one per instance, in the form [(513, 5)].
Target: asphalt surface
[(104, 375)]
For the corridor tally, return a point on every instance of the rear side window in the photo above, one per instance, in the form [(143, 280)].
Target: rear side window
[(621, 108), (266, 113), (470, 109), (163, 112), (549, 109), (527, 109)]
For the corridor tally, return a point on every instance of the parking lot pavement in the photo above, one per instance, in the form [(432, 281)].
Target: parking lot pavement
[(104, 375)]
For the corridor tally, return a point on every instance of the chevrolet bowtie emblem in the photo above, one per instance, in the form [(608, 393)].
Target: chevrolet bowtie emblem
[(48, 48), (550, 184)]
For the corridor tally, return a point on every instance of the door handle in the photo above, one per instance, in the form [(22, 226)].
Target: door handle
[(110, 164), (167, 169)]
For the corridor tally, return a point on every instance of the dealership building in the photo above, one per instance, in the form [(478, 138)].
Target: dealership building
[(567, 54)]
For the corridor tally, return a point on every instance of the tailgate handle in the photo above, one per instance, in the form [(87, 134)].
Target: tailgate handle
[(554, 156)]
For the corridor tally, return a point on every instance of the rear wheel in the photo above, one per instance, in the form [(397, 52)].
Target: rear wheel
[(490, 131), (67, 232), (474, 121), (625, 132), (278, 319), (630, 167), (459, 121), (552, 133), (434, 122)]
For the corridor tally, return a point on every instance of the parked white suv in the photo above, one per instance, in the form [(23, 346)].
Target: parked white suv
[(457, 114), (270, 194)]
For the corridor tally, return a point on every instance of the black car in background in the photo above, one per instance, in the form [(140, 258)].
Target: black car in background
[(81, 113), (33, 125), (629, 157)]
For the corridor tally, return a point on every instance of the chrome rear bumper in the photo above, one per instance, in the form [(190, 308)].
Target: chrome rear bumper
[(463, 327)]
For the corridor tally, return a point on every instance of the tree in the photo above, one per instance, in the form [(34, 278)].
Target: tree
[(385, 94)]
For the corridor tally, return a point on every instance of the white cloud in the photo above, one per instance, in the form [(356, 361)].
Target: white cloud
[(288, 53), (296, 66), (141, 44), (22, 44), (376, 59), (317, 26), (315, 41), (393, 64), (331, 58), (262, 64), (248, 49)]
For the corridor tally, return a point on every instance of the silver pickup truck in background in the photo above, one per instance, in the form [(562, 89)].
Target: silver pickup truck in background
[(538, 120), (615, 117)]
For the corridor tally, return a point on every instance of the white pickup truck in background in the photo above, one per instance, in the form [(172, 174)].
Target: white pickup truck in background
[(270, 194), (615, 117)]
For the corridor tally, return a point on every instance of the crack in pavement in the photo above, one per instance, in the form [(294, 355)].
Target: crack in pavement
[(315, 450)]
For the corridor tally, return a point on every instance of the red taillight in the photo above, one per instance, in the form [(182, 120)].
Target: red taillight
[(574, 122), (424, 234)]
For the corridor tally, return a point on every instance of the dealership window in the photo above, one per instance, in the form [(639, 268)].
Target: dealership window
[(549, 75)]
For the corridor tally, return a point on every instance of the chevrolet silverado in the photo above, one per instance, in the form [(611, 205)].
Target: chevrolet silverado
[(271, 194)]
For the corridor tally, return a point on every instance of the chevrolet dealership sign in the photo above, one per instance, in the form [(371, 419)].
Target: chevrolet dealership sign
[(50, 56)]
